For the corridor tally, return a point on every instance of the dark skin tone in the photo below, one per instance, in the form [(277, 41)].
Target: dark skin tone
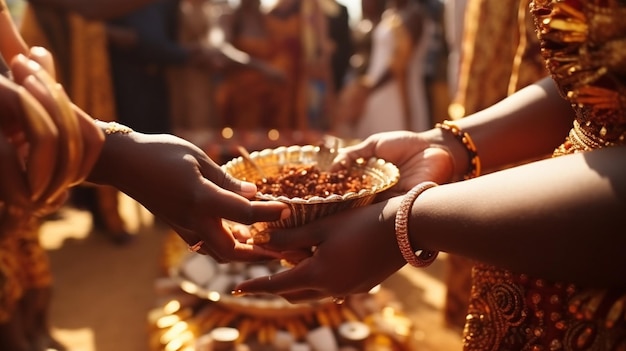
[(533, 218)]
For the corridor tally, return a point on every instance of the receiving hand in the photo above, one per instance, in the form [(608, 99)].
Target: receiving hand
[(412, 153), (354, 251)]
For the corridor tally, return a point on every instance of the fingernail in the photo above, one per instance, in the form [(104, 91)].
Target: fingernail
[(38, 51), (21, 57), (248, 187), (33, 65), (238, 293), (286, 213)]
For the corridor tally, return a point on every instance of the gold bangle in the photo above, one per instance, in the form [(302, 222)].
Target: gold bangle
[(464, 138), (417, 258), (114, 127)]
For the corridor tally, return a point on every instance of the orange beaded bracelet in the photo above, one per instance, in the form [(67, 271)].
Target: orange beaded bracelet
[(416, 258), (464, 138)]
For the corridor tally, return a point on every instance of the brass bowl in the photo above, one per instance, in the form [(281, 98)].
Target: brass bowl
[(383, 175)]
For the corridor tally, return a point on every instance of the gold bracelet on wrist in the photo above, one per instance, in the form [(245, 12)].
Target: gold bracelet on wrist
[(115, 128), (464, 138), (417, 258)]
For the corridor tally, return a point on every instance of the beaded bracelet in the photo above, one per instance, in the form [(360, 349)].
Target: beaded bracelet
[(416, 258), (464, 138)]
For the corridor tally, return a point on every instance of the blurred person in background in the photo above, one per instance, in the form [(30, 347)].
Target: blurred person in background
[(371, 14), (303, 53), (249, 92), (191, 87), (391, 95), (139, 63), (340, 34)]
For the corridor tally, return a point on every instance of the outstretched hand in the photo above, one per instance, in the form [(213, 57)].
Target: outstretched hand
[(182, 186), (354, 251)]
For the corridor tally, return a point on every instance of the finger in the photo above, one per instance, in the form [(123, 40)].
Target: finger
[(70, 124), (291, 239), (13, 184), (44, 58), (216, 174), (23, 114), (43, 137), (59, 108), (289, 281), (236, 207), (304, 296), (219, 243)]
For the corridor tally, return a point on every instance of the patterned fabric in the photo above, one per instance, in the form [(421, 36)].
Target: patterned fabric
[(24, 264), (516, 63), (584, 44)]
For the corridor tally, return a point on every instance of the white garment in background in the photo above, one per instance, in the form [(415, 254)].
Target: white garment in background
[(383, 110), (454, 19)]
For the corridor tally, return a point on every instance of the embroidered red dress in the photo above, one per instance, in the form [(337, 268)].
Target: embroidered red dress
[(584, 45)]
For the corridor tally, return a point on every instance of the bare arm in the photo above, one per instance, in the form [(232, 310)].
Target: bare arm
[(525, 126), (559, 218)]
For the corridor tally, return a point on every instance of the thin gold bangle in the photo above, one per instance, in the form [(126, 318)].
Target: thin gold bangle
[(114, 127), (464, 138), (416, 258)]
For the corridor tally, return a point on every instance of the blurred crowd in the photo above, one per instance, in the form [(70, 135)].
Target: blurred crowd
[(181, 65)]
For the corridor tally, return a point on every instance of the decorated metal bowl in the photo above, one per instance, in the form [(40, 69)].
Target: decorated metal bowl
[(354, 186)]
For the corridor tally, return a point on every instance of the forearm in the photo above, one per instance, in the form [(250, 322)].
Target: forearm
[(559, 218), (118, 143), (525, 126)]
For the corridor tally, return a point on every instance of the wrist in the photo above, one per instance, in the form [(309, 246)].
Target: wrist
[(459, 145), (417, 257), (117, 138)]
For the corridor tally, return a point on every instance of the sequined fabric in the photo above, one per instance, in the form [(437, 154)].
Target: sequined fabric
[(584, 45)]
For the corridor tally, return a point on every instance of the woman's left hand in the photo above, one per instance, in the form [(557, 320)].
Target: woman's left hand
[(354, 251)]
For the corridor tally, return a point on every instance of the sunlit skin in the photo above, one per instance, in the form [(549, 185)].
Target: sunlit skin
[(499, 218)]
